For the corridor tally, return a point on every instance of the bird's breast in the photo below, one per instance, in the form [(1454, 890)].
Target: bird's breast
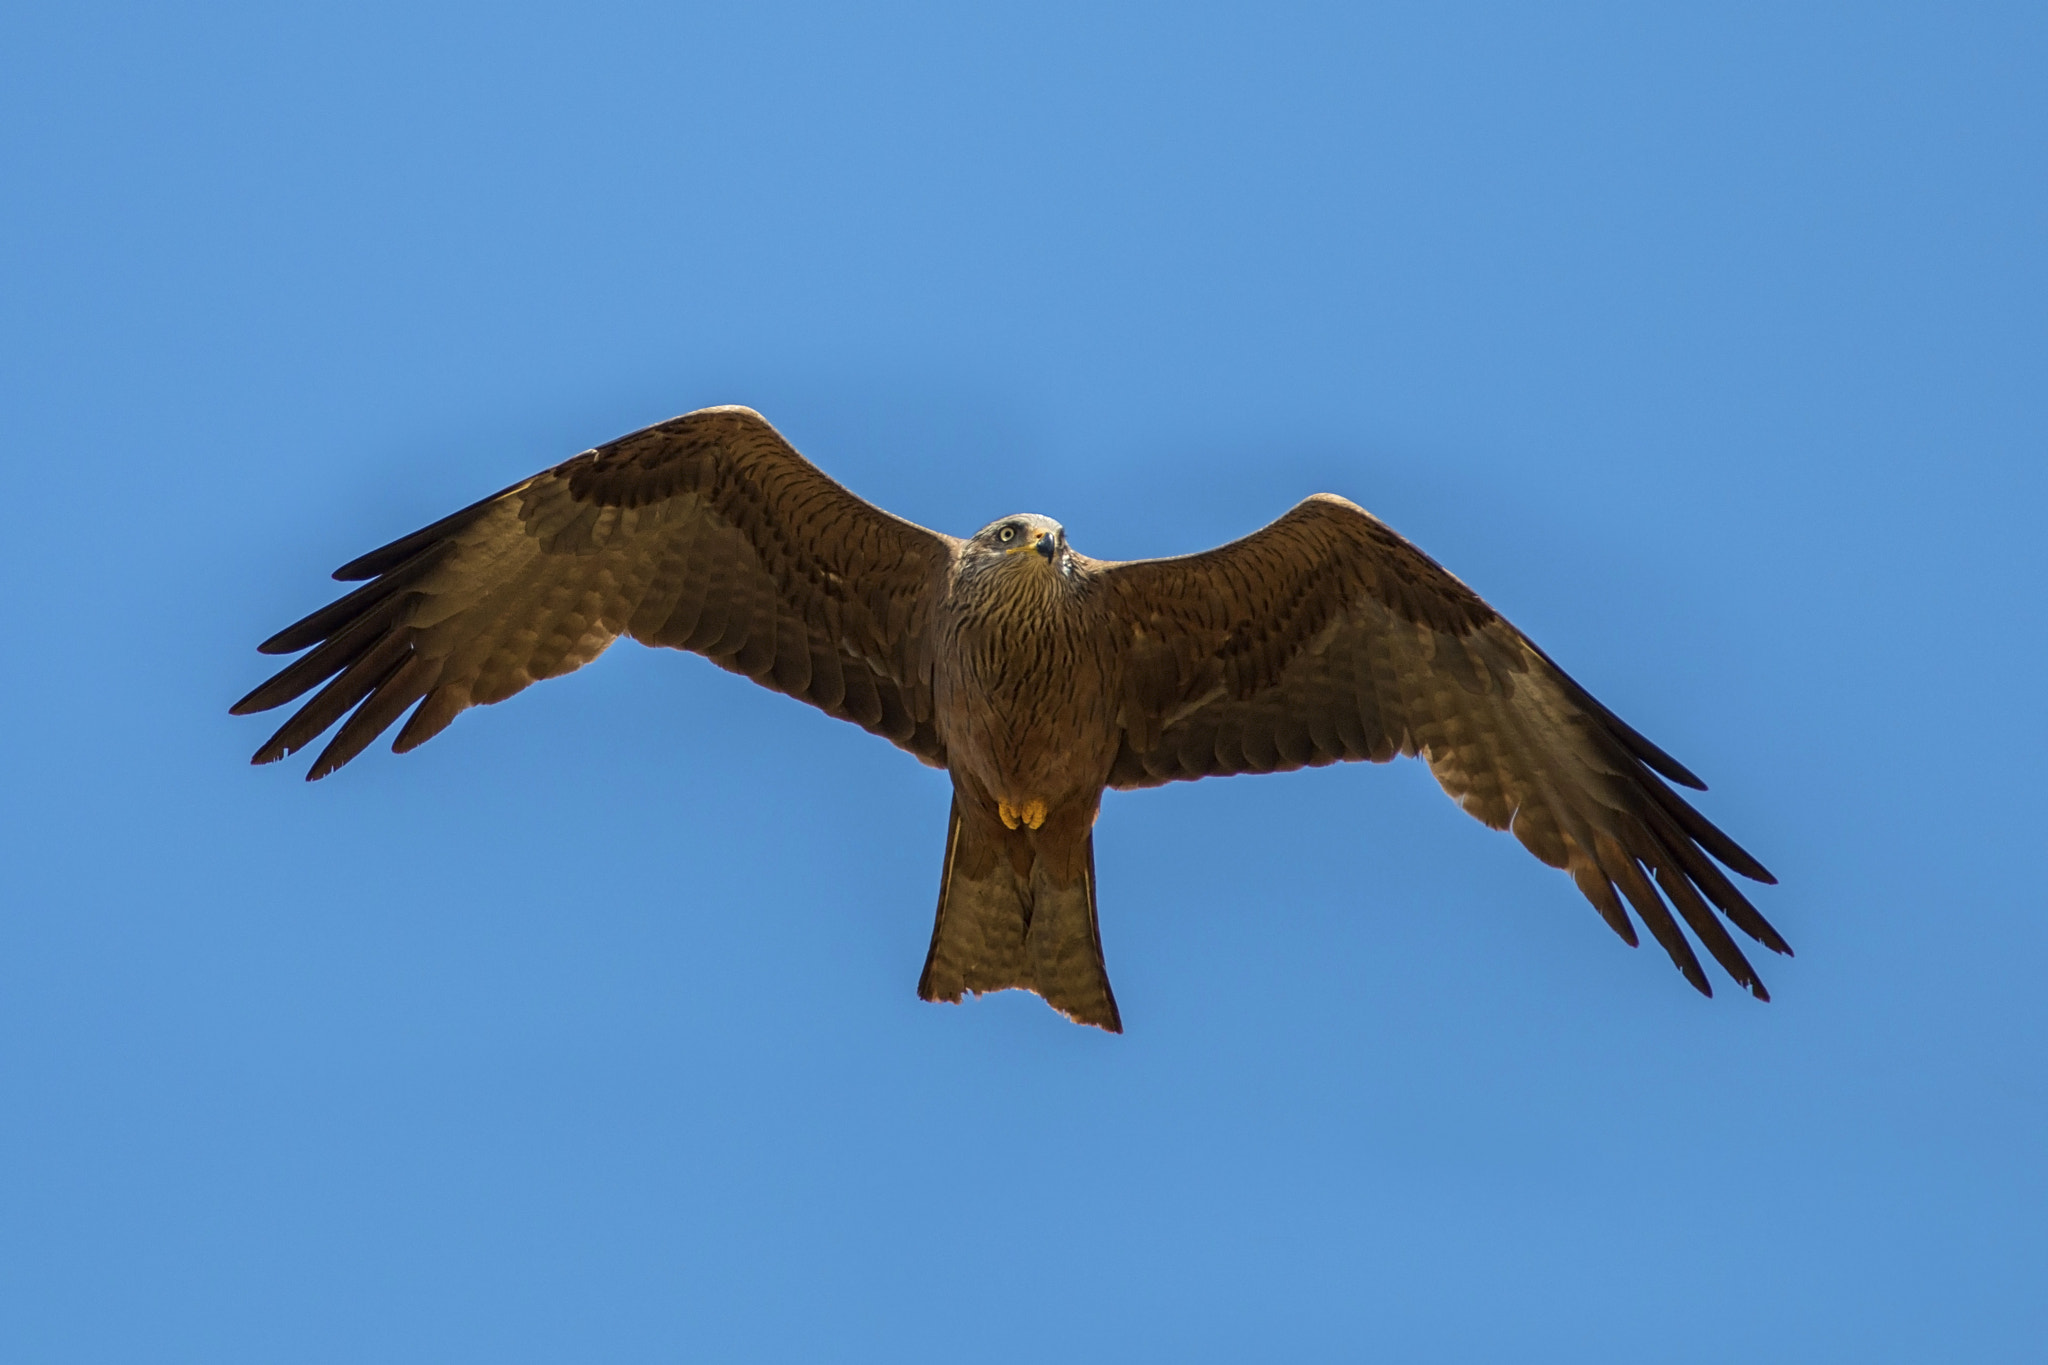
[(1024, 703)]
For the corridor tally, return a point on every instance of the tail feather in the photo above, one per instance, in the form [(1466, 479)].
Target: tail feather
[(999, 929)]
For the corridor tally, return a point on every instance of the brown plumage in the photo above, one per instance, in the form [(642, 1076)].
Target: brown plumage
[(1036, 676)]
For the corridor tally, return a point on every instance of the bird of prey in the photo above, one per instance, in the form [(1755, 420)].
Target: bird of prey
[(1035, 676)]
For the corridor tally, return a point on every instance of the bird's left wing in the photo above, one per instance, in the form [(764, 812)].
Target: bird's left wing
[(707, 533), (1326, 636)]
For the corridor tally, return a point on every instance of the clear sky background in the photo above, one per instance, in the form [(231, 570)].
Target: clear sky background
[(1707, 343)]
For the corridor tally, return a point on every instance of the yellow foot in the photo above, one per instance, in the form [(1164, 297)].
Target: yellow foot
[(1031, 816)]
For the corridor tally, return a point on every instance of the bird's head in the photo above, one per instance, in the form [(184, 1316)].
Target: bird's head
[(1025, 540)]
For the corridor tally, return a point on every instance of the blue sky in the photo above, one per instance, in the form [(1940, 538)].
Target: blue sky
[(1707, 343)]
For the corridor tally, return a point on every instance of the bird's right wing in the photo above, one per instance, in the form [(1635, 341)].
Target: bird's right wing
[(708, 532), (1326, 636)]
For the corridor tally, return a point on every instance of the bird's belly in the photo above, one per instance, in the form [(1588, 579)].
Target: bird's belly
[(1026, 739)]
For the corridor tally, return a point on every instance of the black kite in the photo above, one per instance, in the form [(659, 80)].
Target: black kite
[(1036, 676)]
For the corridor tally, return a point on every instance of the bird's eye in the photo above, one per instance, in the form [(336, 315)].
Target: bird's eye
[(1007, 534)]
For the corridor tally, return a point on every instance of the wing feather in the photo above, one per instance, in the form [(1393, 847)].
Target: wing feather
[(1333, 638), (706, 533)]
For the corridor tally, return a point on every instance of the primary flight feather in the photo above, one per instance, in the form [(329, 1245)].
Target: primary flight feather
[(1037, 677)]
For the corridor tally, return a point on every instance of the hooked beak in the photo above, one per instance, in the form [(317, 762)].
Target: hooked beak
[(1046, 543)]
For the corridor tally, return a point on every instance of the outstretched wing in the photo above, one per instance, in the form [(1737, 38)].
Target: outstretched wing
[(707, 532), (1326, 636)]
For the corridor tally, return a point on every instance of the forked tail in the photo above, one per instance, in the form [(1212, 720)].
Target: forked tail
[(999, 929)]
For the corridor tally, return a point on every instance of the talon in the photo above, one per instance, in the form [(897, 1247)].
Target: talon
[(1033, 814), (1009, 814)]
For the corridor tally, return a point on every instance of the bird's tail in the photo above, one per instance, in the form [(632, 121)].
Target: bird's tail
[(999, 928)]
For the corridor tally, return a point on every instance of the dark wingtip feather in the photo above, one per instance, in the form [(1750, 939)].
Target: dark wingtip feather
[(386, 557), (1671, 768), (339, 614), (1596, 888), (1631, 738), (379, 710), (1621, 867), (1649, 753), (362, 567), (1734, 855), (1709, 836), (1693, 908)]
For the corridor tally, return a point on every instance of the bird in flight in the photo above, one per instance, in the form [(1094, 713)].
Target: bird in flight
[(1035, 676)]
